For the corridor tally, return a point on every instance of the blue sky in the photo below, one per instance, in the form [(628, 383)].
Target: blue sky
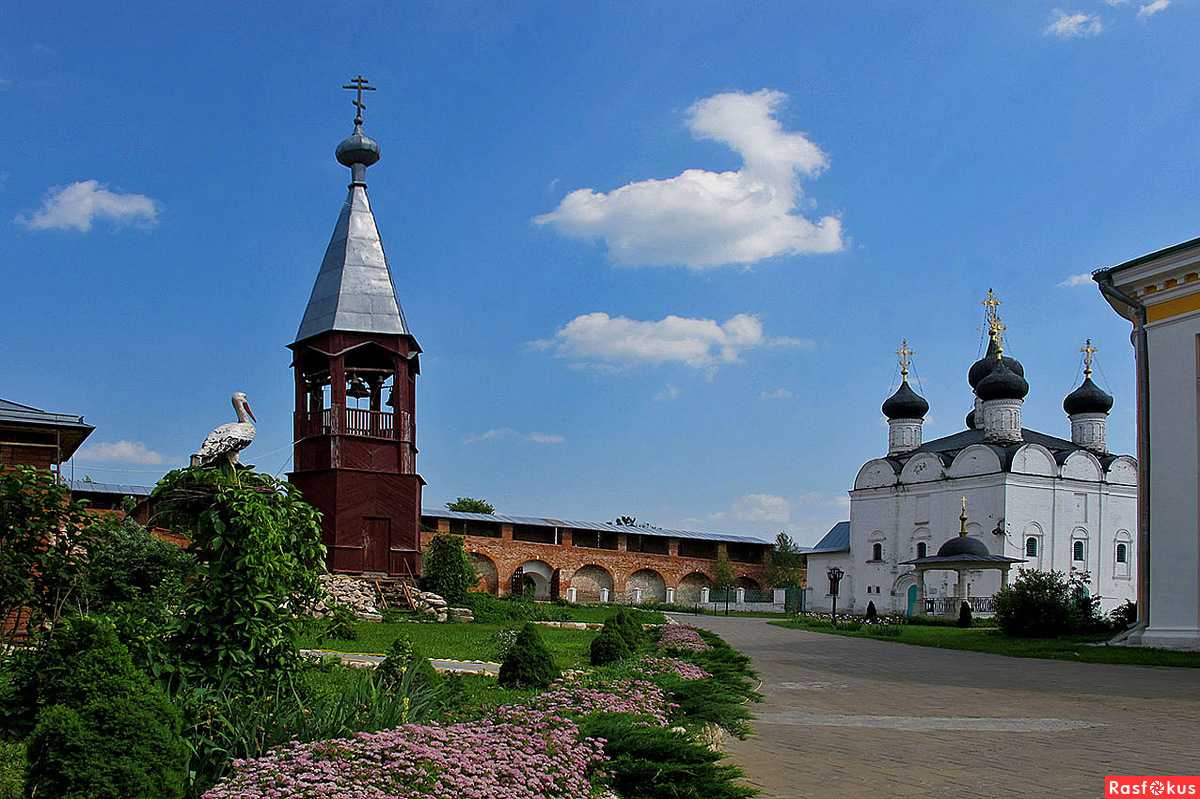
[(707, 350)]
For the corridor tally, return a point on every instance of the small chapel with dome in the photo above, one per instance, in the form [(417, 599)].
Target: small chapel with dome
[(933, 523)]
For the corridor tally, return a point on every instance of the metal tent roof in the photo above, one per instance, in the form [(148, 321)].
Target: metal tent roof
[(836, 540), (574, 524)]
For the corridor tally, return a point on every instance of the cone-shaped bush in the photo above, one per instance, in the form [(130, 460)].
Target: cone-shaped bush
[(608, 646), (872, 614), (964, 615), (528, 663), (629, 629), (402, 658)]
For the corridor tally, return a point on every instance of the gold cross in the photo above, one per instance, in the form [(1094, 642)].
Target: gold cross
[(1088, 353), (996, 331), (992, 303), (358, 85), (905, 354)]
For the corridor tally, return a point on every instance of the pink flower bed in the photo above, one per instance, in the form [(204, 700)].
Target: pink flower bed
[(653, 667), (679, 636), (638, 697), (524, 753)]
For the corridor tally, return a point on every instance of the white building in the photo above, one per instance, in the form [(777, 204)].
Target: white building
[(1059, 504), (1160, 294)]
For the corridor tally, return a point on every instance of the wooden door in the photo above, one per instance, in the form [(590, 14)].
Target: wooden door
[(377, 543)]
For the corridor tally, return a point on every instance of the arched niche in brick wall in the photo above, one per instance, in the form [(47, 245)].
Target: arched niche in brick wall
[(653, 587), (589, 580), (485, 567), (688, 591)]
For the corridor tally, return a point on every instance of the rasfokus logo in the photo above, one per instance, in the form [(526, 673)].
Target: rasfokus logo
[(1151, 786)]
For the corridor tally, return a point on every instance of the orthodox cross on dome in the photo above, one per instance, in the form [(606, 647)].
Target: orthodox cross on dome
[(358, 85), (992, 303), (996, 332), (905, 355), (1089, 353)]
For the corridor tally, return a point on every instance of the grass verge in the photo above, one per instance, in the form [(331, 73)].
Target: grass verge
[(1080, 648)]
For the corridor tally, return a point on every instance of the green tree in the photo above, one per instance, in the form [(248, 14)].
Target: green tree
[(627, 521), (45, 543), (471, 505), (447, 568), (259, 550), (786, 564), (528, 663), (723, 577)]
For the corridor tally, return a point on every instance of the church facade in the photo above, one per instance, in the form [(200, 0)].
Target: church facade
[(1033, 500)]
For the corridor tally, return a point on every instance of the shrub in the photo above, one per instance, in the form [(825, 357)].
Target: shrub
[(1124, 615), (489, 609), (12, 770), (339, 624), (447, 569), (964, 615), (872, 614), (608, 646), (404, 665), (128, 563), (627, 628), (1037, 605), (528, 664), (653, 762), (713, 702), (103, 731)]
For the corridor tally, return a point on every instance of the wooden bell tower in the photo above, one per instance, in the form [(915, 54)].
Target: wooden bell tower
[(355, 363)]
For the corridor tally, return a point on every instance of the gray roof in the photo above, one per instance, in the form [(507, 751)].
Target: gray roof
[(947, 559), (27, 414), (607, 527), (1150, 256), (354, 291), (947, 447), (92, 487), (836, 540)]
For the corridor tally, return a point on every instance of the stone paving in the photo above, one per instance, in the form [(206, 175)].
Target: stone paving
[(852, 717)]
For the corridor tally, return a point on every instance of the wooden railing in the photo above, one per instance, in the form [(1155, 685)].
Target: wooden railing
[(358, 422)]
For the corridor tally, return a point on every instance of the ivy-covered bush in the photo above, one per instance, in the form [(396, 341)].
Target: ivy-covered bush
[(103, 730), (528, 663), (259, 548), (608, 646), (447, 570)]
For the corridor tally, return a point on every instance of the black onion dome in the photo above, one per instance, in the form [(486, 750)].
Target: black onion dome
[(1088, 398), (980, 368), (971, 419), (905, 404), (357, 148), (1002, 383), (963, 545)]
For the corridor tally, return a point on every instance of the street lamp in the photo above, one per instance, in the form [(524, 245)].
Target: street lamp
[(835, 576)]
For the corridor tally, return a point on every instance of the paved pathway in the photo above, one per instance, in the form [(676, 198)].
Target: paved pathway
[(852, 717), (362, 660)]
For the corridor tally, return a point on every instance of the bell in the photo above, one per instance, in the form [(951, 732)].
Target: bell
[(358, 388)]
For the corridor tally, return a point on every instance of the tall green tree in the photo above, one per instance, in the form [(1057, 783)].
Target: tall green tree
[(471, 505), (786, 563), (723, 577), (447, 568)]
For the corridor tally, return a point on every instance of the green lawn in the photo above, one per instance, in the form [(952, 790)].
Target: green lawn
[(455, 641), (991, 640)]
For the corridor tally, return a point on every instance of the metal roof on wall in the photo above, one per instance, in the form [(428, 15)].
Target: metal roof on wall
[(836, 540), (92, 487), (606, 527)]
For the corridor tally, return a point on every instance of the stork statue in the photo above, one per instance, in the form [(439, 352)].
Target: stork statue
[(228, 440)]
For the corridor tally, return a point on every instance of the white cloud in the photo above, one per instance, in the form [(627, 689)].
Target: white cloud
[(762, 508), (501, 433), (668, 394), (1082, 279), (703, 219), (124, 451), (1152, 8), (597, 338), (777, 394), (76, 206), (1073, 26)]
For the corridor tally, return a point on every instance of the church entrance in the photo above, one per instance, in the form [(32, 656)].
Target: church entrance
[(911, 610)]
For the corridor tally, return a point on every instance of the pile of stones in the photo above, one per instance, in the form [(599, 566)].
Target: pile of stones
[(350, 592), (431, 605), (461, 614)]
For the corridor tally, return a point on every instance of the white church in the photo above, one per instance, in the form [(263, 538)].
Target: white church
[(1019, 498)]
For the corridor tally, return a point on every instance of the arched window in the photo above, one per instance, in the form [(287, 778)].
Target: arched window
[(877, 552), (1122, 553), (1031, 548), (922, 549), (1077, 551)]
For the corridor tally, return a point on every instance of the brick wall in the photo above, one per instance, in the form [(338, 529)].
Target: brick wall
[(622, 568)]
